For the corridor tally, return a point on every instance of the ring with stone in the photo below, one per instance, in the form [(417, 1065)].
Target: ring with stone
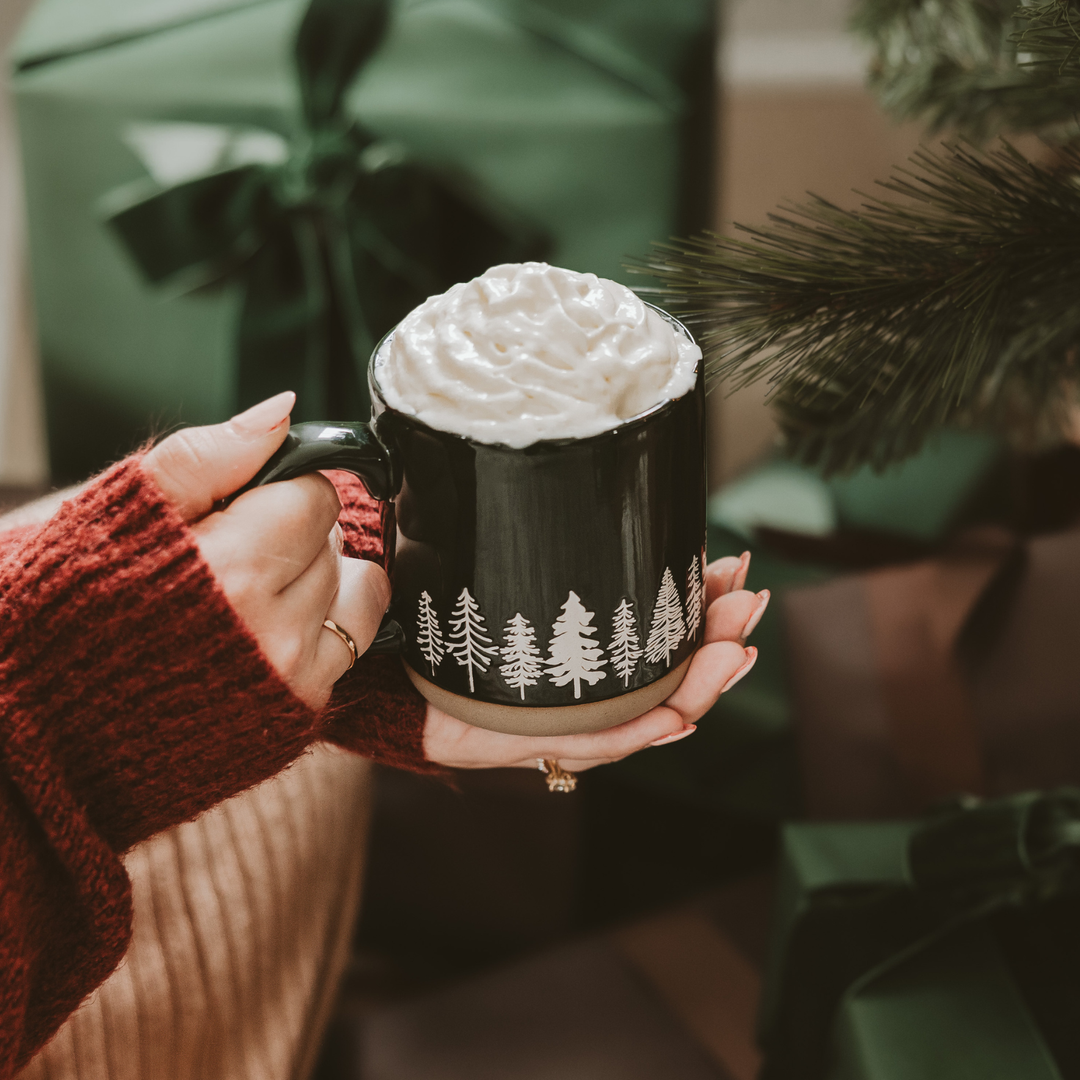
[(558, 779)]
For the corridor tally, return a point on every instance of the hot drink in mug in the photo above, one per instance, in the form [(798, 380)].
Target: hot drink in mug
[(538, 436)]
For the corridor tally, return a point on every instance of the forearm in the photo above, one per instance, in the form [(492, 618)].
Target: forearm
[(121, 663), (132, 697)]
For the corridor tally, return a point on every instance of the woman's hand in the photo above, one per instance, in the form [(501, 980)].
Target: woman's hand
[(719, 664), (276, 550)]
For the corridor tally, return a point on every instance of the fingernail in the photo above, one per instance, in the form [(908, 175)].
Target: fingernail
[(263, 418), (740, 575), (755, 618), (676, 736), (748, 663)]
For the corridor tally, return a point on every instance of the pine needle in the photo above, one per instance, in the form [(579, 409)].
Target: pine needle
[(980, 67), (1049, 42), (958, 302)]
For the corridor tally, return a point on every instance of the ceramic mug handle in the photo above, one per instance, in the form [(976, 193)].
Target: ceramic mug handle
[(352, 447)]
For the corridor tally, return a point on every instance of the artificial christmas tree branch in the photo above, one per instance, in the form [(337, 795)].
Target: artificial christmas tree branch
[(980, 67), (957, 302), (1050, 36)]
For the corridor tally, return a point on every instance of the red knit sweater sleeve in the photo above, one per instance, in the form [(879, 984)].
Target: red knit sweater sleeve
[(360, 717), (131, 699)]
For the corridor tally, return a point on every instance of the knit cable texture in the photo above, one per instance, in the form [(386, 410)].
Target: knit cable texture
[(132, 698), (366, 713)]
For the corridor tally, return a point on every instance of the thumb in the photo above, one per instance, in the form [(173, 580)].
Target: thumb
[(197, 466)]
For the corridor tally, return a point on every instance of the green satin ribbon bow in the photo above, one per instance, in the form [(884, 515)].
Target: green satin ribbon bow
[(962, 865), (333, 237)]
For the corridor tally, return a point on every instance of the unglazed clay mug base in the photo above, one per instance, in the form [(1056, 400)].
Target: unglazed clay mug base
[(552, 719), (552, 589)]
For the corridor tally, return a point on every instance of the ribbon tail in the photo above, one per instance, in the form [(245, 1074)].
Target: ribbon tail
[(282, 336), (449, 224), (351, 338), (415, 231)]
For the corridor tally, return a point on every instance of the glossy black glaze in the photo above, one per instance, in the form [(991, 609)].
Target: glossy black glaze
[(518, 531), (348, 445), (601, 517)]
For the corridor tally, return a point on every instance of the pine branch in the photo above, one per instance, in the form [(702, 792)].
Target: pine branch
[(958, 302), (955, 64), (1050, 40)]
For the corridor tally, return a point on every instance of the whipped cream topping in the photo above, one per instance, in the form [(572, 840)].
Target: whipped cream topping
[(529, 351)]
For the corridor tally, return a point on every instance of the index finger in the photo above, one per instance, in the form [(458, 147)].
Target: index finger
[(281, 527)]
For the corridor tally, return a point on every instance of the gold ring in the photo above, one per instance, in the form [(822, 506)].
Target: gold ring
[(346, 637), (558, 779)]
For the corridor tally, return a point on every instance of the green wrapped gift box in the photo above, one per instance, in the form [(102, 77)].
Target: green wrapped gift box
[(586, 124), (942, 948)]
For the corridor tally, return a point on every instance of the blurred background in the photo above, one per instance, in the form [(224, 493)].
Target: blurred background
[(622, 931), (791, 115), (23, 457)]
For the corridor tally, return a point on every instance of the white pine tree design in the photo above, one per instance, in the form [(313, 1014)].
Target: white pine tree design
[(469, 645), (704, 590), (429, 635), (668, 627), (573, 655), (625, 647), (522, 660), (693, 597)]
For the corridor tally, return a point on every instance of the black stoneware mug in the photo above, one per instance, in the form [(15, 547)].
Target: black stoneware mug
[(548, 590)]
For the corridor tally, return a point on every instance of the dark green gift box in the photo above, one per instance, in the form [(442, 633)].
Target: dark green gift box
[(278, 198), (944, 948)]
